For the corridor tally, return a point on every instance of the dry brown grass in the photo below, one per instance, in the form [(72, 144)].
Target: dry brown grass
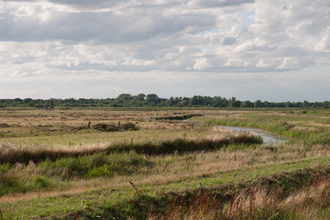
[(59, 127), (308, 202), (10, 153)]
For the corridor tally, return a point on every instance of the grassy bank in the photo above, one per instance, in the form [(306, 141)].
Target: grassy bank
[(24, 154), (125, 201), (165, 169), (308, 128)]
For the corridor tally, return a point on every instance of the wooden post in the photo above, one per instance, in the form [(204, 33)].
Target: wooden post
[(118, 123), (51, 103), (89, 125)]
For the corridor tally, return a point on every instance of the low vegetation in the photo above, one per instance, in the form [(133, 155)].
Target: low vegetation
[(142, 165)]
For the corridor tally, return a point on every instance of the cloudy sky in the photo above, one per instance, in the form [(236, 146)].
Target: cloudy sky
[(272, 50)]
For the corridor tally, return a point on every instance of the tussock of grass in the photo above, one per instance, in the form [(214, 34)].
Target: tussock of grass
[(23, 154), (4, 125), (112, 127)]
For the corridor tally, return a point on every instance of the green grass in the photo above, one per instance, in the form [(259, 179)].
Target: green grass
[(165, 160), (284, 125), (124, 202), (24, 155)]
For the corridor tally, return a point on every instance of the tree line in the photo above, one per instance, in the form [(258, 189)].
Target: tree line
[(152, 100)]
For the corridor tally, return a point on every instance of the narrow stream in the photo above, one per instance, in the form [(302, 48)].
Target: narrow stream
[(268, 137)]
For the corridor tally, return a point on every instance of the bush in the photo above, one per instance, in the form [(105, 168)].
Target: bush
[(40, 181), (128, 126), (112, 127), (4, 125), (303, 112), (107, 127)]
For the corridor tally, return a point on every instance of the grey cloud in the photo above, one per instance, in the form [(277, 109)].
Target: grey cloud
[(105, 27), (103, 4), (245, 86), (222, 3), (99, 4), (190, 40), (229, 41), (298, 18)]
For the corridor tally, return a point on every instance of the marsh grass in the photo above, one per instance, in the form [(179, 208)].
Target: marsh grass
[(12, 153), (304, 129), (308, 201), (113, 199), (170, 163), (118, 168)]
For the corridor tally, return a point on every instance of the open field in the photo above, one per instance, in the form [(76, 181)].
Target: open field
[(52, 166)]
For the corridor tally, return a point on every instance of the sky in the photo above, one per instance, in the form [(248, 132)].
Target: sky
[(271, 50)]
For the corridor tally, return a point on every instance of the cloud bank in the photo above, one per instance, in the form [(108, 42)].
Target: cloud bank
[(89, 43)]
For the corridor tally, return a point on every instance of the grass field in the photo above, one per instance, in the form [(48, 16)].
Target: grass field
[(132, 164)]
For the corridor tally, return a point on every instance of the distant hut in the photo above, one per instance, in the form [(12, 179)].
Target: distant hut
[(51, 103)]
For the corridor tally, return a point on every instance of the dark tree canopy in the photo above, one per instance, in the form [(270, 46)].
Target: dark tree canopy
[(152, 100)]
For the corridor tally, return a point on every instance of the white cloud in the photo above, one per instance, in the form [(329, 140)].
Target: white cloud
[(201, 63), (65, 37), (255, 44), (236, 62), (290, 63), (264, 63), (324, 44)]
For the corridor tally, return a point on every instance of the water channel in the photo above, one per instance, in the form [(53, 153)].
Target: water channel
[(268, 137)]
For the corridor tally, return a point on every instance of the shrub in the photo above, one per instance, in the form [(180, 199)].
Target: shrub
[(128, 126), (40, 181), (303, 112), (4, 125), (107, 127)]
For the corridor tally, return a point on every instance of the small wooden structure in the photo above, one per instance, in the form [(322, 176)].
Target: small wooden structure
[(51, 103), (50, 106)]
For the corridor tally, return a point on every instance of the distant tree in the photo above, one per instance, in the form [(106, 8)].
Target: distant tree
[(257, 104), (305, 104), (170, 101), (17, 100), (231, 101), (194, 100), (184, 103), (265, 104), (125, 96), (236, 104), (280, 104), (27, 100), (140, 97), (217, 101), (246, 104), (152, 98)]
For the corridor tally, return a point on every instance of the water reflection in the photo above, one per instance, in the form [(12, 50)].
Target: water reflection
[(268, 138)]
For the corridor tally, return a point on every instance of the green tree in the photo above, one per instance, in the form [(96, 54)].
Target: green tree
[(288, 104), (246, 104), (125, 96), (152, 98), (140, 97), (257, 104), (305, 104)]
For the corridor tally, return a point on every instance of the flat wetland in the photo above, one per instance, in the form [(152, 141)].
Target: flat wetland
[(147, 164)]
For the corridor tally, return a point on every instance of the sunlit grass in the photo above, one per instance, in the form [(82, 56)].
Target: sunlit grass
[(86, 177)]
